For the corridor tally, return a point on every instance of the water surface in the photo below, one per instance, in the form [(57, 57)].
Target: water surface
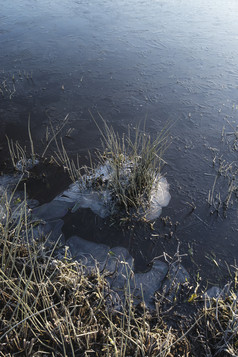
[(158, 60)]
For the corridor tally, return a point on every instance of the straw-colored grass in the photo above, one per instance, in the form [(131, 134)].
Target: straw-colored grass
[(56, 307), (52, 307)]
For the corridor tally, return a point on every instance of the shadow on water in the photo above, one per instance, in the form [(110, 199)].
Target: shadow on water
[(164, 61), (138, 237)]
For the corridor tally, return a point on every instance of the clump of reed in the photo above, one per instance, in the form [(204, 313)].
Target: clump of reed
[(51, 305), (128, 167), (24, 159), (135, 161)]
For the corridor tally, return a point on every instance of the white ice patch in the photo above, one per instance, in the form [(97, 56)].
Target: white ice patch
[(160, 197), (28, 164), (88, 198), (100, 201), (104, 172)]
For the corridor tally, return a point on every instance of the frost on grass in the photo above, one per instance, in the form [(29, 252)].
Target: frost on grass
[(12, 200)]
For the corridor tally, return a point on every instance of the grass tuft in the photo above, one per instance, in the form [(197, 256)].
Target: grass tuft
[(127, 171), (135, 162)]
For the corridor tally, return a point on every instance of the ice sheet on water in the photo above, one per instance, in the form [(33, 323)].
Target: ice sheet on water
[(118, 265), (88, 198), (52, 210), (104, 171), (100, 200), (160, 197), (27, 164)]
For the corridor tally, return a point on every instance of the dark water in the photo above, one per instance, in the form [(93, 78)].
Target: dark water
[(165, 61)]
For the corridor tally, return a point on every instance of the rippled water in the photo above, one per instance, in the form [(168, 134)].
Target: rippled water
[(164, 61)]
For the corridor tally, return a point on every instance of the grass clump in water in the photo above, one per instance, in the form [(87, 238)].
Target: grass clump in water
[(127, 174), (134, 166)]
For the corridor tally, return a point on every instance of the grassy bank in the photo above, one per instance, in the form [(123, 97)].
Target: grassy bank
[(52, 306), (55, 307)]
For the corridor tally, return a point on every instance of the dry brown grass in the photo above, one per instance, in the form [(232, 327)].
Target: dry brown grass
[(52, 307), (55, 307)]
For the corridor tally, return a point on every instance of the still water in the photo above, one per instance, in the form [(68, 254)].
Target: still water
[(161, 61)]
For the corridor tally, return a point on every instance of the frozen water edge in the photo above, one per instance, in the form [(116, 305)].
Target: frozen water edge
[(100, 200), (87, 198), (118, 266), (160, 198), (116, 263)]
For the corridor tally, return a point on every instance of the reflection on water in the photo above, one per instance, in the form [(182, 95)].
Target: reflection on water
[(161, 60)]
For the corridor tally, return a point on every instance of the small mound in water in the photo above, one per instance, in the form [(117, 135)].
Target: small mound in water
[(127, 179), (96, 191)]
